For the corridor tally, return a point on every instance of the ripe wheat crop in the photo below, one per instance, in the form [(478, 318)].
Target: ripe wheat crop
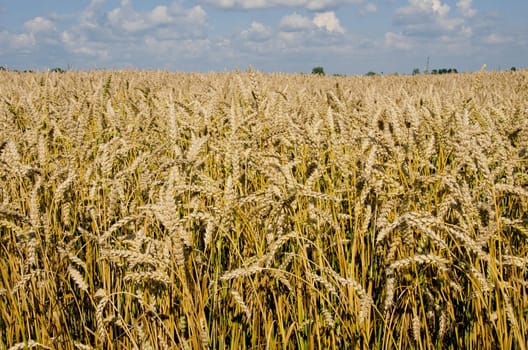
[(154, 210)]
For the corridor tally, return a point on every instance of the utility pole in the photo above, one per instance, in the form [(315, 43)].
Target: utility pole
[(426, 70)]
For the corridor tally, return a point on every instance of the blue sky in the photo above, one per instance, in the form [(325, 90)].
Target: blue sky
[(343, 36)]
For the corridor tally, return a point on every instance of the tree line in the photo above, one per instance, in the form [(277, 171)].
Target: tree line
[(320, 71)]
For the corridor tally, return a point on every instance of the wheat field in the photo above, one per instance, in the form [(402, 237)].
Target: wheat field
[(243, 210)]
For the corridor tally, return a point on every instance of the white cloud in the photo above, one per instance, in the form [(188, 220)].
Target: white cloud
[(497, 39), (124, 35), (421, 8), (257, 32), (196, 15), (435, 5), (126, 18), (430, 24), (318, 5), (290, 39), (368, 8), (16, 41), (328, 21), (398, 41), (429, 18), (295, 22), (39, 24), (464, 7), (313, 5), (168, 48), (160, 15), (78, 45), (90, 16), (295, 35)]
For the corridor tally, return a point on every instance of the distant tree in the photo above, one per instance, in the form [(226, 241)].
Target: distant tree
[(371, 74), (2, 68), (57, 70), (444, 71), (416, 71), (513, 69), (318, 71)]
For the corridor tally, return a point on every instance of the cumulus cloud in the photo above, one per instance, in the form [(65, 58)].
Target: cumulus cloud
[(295, 22), (295, 34), (125, 35), (127, 19), (465, 8), (432, 25), (368, 8), (313, 5), (429, 18), (257, 32), (328, 21), (39, 24), (39, 30), (422, 9), (497, 39), (91, 16), (79, 46), (398, 41), (16, 41), (191, 47)]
